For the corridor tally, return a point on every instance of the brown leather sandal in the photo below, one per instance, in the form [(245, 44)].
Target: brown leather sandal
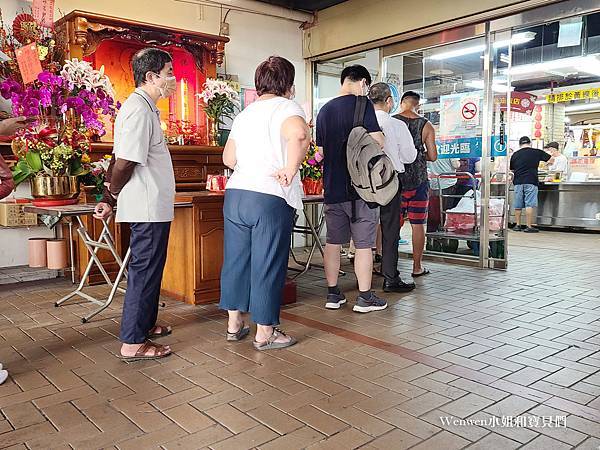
[(164, 331), (160, 351)]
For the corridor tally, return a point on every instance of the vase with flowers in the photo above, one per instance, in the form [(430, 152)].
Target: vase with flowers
[(311, 171), (67, 108), (218, 100), (93, 181)]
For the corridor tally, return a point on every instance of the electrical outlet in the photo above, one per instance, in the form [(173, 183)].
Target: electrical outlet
[(224, 30)]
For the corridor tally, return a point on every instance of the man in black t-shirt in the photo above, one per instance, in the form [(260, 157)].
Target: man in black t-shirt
[(342, 203), (524, 164)]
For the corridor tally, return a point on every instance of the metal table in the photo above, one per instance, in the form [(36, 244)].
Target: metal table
[(105, 241), (310, 229)]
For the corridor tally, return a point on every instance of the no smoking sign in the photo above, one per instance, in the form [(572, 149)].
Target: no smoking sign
[(469, 111)]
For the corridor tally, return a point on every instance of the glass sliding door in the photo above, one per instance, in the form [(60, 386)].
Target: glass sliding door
[(449, 79)]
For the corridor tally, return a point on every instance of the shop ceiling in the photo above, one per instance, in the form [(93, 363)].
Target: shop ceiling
[(304, 5)]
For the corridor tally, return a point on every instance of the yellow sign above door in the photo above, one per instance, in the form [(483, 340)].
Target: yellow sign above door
[(579, 94)]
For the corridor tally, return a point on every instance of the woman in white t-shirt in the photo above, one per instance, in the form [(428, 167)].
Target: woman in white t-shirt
[(267, 144)]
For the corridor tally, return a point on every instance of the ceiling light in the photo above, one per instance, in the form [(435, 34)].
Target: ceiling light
[(458, 52), (441, 72), (516, 39), (587, 64), (496, 87), (541, 101)]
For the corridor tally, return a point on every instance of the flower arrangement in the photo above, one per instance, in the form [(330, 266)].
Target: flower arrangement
[(25, 30), (68, 107), (312, 166), (45, 150), (79, 87), (97, 174), (218, 100)]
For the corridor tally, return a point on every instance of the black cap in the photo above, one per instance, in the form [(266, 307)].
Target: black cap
[(554, 145), (524, 140)]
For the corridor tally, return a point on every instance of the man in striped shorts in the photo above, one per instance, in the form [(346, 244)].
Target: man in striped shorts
[(415, 183)]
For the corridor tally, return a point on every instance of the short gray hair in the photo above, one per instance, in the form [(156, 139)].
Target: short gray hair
[(380, 92)]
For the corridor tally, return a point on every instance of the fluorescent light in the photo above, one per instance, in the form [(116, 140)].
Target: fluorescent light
[(584, 107), (518, 38), (541, 101), (588, 64), (496, 87), (458, 52)]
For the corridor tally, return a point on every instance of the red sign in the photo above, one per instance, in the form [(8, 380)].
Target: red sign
[(29, 62), (469, 110), (43, 12), (521, 102)]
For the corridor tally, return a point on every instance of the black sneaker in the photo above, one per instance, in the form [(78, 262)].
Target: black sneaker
[(531, 230), (335, 301), (397, 286), (518, 228), (374, 303)]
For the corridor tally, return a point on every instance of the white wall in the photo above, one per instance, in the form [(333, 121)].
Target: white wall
[(254, 38)]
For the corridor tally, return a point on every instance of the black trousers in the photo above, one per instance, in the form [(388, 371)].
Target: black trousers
[(390, 235), (148, 243)]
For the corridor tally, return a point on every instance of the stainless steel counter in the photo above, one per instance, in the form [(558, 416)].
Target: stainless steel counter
[(567, 204)]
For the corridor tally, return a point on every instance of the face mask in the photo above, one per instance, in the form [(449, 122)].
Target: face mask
[(168, 88)]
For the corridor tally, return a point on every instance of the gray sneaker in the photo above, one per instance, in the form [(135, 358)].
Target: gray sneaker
[(335, 301), (374, 303)]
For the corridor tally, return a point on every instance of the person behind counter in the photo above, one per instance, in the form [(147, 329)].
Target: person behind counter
[(524, 164), (558, 162), (142, 184), (267, 144)]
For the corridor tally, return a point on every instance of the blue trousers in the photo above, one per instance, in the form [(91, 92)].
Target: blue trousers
[(148, 245), (257, 235)]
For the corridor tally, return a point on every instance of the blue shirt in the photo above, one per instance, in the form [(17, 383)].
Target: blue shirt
[(334, 124)]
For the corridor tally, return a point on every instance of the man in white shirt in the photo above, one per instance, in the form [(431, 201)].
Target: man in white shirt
[(142, 185), (399, 146), (559, 162)]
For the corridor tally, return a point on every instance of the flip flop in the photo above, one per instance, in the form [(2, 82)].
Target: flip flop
[(423, 273), (239, 334), (164, 331), (159, 352), (270, 343)]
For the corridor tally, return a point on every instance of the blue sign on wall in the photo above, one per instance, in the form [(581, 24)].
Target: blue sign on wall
[(469, 147), (460, 148)]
